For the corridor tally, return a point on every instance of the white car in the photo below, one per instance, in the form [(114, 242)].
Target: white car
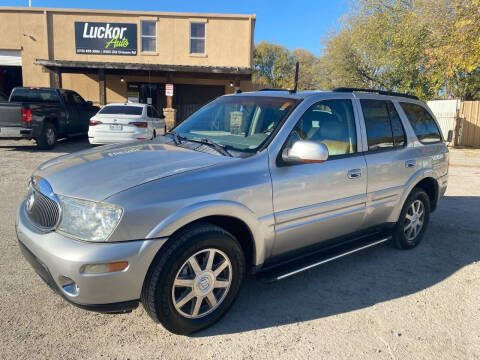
[(123, 122)]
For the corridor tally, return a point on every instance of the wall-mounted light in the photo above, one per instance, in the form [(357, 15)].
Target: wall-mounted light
[(122, 79), (231, 83)]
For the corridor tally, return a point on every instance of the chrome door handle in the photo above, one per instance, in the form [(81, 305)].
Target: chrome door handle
[(354, 173), (410, 163)]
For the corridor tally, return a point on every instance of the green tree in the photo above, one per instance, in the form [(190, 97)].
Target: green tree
[(273, 65)]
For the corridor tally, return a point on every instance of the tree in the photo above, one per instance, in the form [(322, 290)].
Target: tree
[(273, 65)]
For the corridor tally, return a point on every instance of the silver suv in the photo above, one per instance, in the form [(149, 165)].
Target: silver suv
[(268, 183)]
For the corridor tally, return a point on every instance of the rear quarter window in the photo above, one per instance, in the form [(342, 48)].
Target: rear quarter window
[(422, 123)]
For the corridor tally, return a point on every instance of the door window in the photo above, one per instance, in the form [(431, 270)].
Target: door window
[(422, 123), (77, 99), (384, 128), (149, 112), (330, 122)]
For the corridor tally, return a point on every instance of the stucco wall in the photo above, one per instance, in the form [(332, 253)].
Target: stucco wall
[(228, 42)]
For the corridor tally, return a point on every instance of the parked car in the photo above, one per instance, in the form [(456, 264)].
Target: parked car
[(45, 115), (270, 183), (116, 123)]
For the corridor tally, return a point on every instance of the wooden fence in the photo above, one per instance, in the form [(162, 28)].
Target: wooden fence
[(469, 132)]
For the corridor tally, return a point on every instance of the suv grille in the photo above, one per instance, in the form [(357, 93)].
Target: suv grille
[(43, 211)]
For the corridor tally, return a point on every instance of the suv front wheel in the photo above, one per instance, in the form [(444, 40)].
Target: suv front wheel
[(195, 279), (413, 220)]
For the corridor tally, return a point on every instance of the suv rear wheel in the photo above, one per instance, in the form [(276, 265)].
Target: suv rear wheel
[(413, 220), (195, 279)]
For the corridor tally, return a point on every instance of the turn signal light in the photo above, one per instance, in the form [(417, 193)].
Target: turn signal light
[(95, 122), (26, 115), (139, 124), (104, 268)]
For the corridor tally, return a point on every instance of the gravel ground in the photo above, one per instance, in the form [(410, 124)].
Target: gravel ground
[(381, 303)]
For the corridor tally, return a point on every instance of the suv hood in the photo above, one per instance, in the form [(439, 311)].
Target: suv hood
[(100, 173)]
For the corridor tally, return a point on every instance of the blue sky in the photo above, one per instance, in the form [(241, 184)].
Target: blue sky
[(293, 23)]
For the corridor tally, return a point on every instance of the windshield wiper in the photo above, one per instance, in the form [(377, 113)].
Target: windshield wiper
[(176, 138), (220, 148)]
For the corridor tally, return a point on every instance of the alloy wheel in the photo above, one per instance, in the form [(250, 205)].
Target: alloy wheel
[(50, 136), (414, 219), (202, 283)]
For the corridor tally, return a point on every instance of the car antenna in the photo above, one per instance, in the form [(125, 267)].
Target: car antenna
[(294, 90)]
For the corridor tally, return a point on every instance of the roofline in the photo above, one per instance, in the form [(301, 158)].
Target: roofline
[(127, 12)]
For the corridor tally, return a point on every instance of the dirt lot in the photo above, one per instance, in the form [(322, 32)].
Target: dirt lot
[(381, 303)]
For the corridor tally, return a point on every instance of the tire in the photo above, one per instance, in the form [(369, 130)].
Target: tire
[(405, 236), (48, 137), (163, 300), (165, 130), (154, 135)]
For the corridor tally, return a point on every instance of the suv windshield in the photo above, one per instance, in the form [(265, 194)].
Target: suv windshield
[(242, 123), (121, 109)]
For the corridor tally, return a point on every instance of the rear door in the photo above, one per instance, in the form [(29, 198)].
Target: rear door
[(84, 110), (390, 159), (317, 202), (73, 123)]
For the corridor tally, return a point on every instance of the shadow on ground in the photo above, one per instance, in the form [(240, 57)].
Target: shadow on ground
[(363, 279), (67, 145)]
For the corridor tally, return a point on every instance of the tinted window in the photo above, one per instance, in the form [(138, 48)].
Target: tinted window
[(377, 122), (77, 99), (155, 113), (399, 138), (34, 95), (422, 123), (123, 110), (149, 112), (330, 122)]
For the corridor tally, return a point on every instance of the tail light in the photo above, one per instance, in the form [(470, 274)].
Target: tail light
[(139, 124), (26, 115), (95, 122)]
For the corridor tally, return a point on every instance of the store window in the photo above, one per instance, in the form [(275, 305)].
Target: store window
[(149, 36), (197, 38)]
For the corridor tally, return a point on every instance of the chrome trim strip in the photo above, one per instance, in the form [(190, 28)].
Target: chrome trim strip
[(331, 259)]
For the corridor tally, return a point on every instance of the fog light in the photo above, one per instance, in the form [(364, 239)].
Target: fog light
[(104, 268), (68, 285)]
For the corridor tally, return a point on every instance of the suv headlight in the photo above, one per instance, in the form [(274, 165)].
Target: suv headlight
[(88, 220)]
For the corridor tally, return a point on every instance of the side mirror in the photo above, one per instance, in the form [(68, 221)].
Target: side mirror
[(305, 152), (450, 136), (89, 103)]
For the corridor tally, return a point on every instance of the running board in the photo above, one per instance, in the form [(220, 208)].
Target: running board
[(310, 262)]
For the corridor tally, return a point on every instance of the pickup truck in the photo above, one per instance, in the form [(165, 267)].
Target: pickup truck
[(45, 115)]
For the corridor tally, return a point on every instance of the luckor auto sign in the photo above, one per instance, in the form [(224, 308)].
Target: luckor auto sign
[(94, 38)]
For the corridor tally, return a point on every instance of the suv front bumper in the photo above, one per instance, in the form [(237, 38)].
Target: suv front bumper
[(55, 257)]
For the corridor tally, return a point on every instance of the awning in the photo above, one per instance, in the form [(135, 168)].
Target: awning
[(67, 66)]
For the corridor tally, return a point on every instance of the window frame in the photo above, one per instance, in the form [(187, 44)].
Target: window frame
[(441, 140), (204, 38), (394, 147), (148, 36), (358, 136)]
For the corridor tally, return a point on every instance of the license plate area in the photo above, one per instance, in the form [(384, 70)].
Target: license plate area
[(116, 127)]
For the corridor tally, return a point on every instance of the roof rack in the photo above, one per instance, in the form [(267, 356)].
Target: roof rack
[(272, 89), (375, 91)]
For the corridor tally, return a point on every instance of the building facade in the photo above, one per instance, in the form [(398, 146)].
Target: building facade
[(175, 61)]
